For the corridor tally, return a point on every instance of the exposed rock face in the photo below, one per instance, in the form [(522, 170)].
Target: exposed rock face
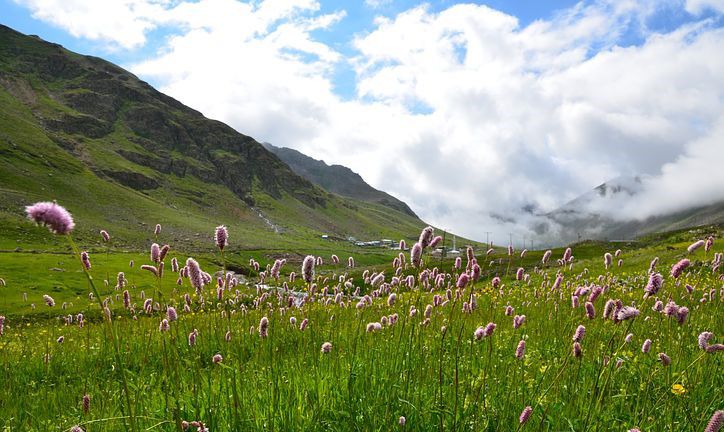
[(84, 125), (133, 180), (102, 106)]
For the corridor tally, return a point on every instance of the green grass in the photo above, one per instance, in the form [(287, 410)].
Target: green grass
[(437, 380)]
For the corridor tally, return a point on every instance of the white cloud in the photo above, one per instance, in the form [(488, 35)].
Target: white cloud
[(123, 22), (530, 117), (376, 4), (269, 81), (477, 122), (699, 6), (691, 180)]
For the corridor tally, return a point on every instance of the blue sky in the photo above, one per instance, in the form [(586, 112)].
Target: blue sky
[(358, 20), (482, 116)]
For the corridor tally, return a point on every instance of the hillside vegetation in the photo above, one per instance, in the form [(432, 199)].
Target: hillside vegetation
[(121, 155), (527, 345)]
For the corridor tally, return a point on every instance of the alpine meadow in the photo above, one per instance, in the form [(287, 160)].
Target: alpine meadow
[(162, 271)]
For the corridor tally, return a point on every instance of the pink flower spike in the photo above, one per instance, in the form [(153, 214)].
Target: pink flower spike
[(51, 215)]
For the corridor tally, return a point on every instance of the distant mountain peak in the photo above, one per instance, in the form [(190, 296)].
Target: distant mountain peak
[(579, 218), (628, 184)]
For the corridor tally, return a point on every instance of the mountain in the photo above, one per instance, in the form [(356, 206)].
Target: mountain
[(577, 221), (336, 179), (122, 156)]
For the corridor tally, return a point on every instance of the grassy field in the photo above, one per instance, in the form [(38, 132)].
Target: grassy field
[(428, 367)]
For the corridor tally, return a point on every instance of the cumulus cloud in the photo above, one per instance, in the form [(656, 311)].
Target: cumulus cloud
[(124, 23), (527, 118), (478, 122)]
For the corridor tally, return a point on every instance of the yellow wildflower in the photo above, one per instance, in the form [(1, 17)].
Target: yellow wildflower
[(678, 389)]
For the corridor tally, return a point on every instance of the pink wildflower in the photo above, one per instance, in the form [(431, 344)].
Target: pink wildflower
[(704, 339), (567, 254), (715, 422), (476, 272), (654, 285), (155, 253), (463, 280), (525, 415), (425, 237), (51, 215), (696, 245), (416, 255), (150, 268), (715, 348), (627, 312), (48, 300), (264, 327), (665, 359), (192, 338), (577, 351), (221, 237), (679, 267), (681, 314), (519, 274), (85, 259), (520, 350), (308, 268), (709, 243), (85, 402), (195, 276), (326, 348), (518, 321), (546, 256)]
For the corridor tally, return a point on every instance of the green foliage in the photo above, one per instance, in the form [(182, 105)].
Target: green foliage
[(123, 157), (437, 379)]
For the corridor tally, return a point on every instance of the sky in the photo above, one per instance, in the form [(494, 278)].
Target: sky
[(482, 116)]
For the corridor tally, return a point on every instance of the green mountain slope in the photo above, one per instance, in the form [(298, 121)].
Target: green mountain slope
[(336, 178), (122, 156)]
